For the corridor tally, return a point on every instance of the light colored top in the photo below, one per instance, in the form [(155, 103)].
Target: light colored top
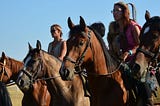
[(55, 50)]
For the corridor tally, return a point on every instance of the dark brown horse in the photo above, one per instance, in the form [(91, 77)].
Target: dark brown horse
[(9, 69), (86, 49), (147, 59), (41, 65)]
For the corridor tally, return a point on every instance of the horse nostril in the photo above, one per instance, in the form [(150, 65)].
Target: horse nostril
[(21, 82), (64, 72)]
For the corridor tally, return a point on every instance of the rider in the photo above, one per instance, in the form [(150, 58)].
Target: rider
[(123, 39), (58, 46), (99, 27), (125, 30)]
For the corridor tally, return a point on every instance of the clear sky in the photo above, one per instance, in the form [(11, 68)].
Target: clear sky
[(23, 21)]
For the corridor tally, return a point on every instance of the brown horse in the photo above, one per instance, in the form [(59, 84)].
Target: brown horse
[(9, 69), (147, 59), (86, 49), (41, 65)]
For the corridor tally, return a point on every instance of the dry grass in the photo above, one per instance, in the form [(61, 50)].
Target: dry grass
[(15, 94)]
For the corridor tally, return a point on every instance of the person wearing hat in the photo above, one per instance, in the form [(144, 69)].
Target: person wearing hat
[(58, 46)]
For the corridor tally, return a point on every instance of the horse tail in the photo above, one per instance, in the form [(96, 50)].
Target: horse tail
[(5, 99)]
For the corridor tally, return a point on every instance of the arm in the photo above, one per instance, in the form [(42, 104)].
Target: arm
[(135, 33), (63, 50)]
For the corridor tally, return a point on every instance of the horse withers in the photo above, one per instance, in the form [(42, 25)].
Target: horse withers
[(40, 65), (9, 71), (87, 50)]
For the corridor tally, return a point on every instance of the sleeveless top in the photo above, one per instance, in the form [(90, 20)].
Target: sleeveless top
[(125, 41), (55, 50), (129, 36), (130, 42)]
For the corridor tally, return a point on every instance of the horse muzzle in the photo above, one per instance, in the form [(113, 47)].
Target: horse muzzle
[(23, 82), (66, 73)]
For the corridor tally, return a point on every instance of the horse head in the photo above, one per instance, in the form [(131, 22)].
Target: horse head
[(149, 49), (82, 46), (77, 49), (33, 68), (5, 71)]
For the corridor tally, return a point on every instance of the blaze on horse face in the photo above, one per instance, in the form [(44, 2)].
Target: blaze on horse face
[(77, 45)]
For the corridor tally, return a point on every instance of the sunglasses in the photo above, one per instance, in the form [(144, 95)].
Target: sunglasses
[(116, 10)]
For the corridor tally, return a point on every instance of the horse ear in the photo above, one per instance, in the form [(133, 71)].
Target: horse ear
[(70, 23), (147, 15), (3, 55), (29, 46), (38, 45), (82, 23), (3, 58)]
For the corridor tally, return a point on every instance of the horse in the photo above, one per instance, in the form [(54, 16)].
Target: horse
[(9, 70), (147, 59), (39, 64), (87, 50)]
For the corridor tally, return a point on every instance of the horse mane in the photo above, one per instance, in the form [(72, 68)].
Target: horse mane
[(110, 62), (14, 64), (49, 59)]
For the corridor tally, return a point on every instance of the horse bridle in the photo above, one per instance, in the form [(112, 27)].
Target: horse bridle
[(153, 56), (3, 71), (34, 77), (79, 61)]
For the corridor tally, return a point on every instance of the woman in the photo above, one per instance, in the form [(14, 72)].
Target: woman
[(123, 35), (58, 46), (123, 38)]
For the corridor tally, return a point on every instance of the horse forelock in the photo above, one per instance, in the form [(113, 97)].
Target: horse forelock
[(151, 27)]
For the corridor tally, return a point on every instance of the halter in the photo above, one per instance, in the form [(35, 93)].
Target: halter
[(79, 61), (34, 77), (3, 71)]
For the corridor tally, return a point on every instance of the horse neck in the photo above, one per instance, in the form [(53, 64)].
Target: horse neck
[(14, 66), (57, 87), (98, 63)]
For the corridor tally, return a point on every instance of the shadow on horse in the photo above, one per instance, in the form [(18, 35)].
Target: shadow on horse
[(87, 50), (9, 70), (147, 61), (38, 64)]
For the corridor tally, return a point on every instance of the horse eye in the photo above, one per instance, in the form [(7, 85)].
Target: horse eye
[(81, 43)]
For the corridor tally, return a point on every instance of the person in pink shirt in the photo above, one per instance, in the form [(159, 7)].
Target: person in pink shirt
[(123, 35)]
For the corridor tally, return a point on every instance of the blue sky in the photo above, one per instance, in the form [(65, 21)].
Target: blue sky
[(23, 21)]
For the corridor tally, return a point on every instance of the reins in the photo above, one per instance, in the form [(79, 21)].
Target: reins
[(79, 61), (110, 73)]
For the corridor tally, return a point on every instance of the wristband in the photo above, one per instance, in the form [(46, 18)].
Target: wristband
[(130, 52)]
